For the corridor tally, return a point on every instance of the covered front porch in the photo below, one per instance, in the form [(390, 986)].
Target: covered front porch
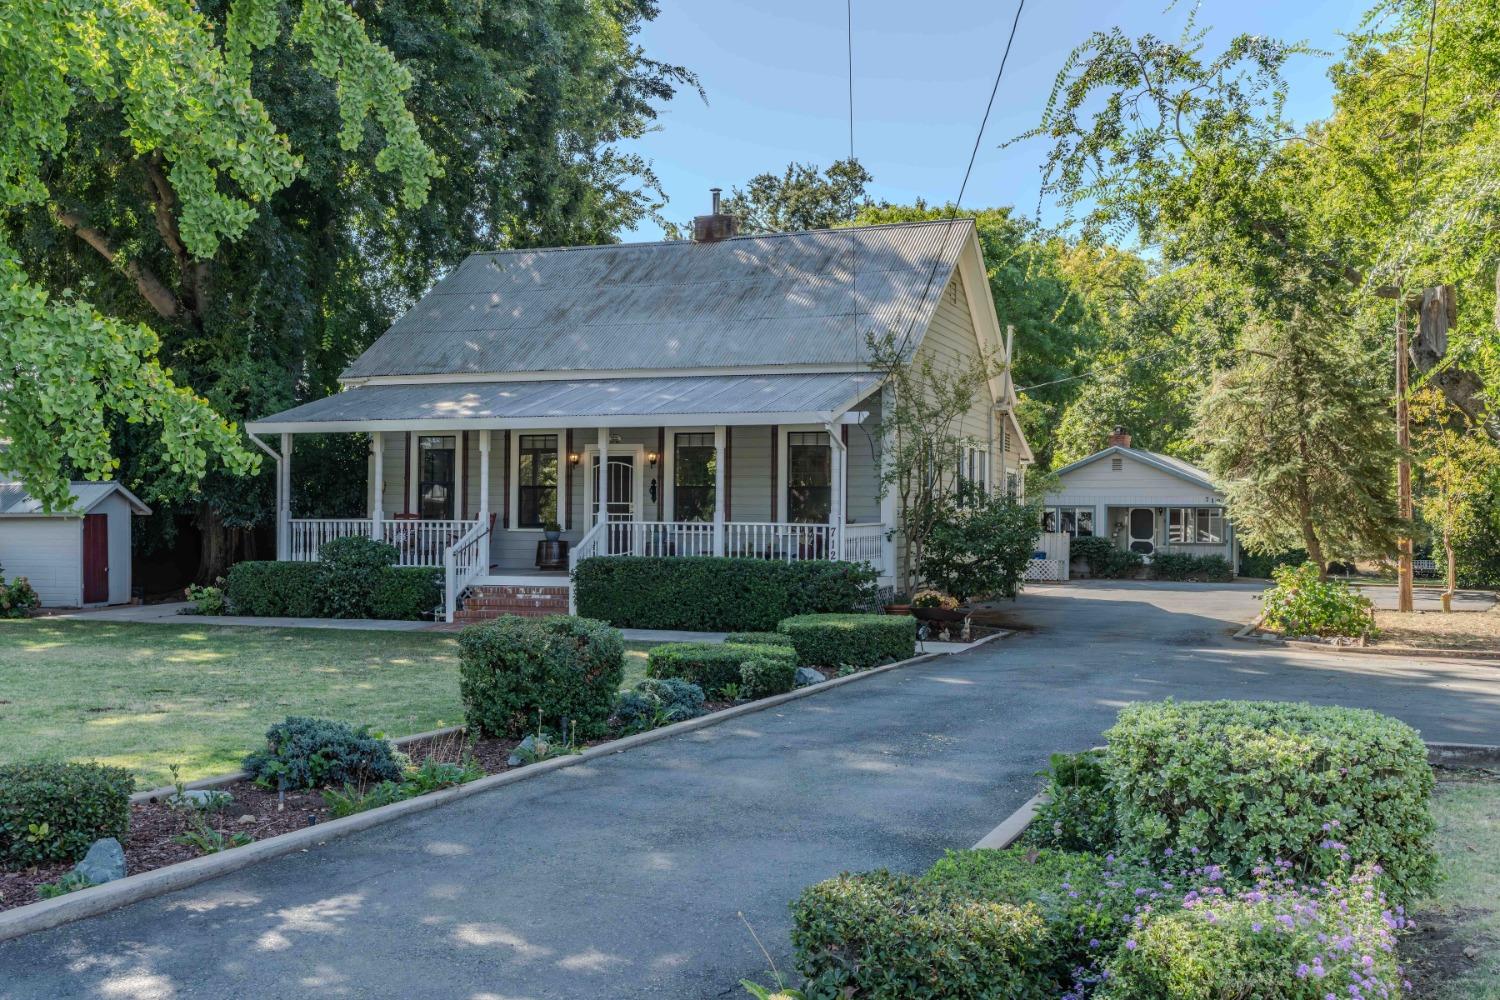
[(484, 497)]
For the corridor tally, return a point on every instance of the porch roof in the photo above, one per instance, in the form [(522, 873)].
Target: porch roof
[(690, 400)]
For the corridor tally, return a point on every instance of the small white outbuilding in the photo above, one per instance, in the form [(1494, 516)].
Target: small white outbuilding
[(74, 558)]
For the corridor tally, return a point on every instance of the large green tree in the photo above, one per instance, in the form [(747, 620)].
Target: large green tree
[(801, 197), (521, 108)]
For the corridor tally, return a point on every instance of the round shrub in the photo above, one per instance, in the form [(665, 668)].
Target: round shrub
[(1302, 604), (762, 678), (710, 665), (757, 639), (1086, 903), (658, 701), (880, 936), (1252, 782), (516, 672), (316, 753), (857, 641), (349, 571), (51, 811), (1277, 939), (18, 599), (1184, 566)]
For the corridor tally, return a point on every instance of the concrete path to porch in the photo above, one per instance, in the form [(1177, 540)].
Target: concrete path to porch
[(623, 878), (172, 614)]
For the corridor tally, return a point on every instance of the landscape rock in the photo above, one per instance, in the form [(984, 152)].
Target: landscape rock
[(104, 862), (246, 819), (807, 675), (527, 745)]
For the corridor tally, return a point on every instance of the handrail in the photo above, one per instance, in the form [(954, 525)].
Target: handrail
[(463, 562), (587, 548)]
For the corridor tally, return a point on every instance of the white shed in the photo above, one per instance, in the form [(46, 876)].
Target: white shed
[(1143, 501), (73, 558)]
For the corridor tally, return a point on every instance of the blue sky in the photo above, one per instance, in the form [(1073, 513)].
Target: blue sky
[(776, 80)]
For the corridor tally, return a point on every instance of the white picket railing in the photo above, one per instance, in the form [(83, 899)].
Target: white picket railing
[(418, 543), (463, 561), (866, 543), (309, 535), (777, 540), (423, 543)]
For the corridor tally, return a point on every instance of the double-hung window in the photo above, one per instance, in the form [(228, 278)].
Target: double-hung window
[(536, 480), (1075, 521), (975, 467), (1195, 525), (435, 478), (693, 473), (809, 477)]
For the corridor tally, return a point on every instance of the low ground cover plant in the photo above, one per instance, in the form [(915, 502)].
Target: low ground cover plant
[(710, 665), (318, 753), (52, 811), (208, 600), (430, 776), (853, 640), (562, 672), (1302, 604), (710, 595), (658, 701)]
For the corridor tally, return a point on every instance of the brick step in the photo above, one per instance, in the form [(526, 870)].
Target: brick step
[(529, 601), (486, 614)]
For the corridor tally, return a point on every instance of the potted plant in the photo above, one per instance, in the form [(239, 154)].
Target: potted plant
[(551, 531), (936, 606)]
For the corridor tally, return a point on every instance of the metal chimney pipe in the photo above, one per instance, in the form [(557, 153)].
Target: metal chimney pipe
[(715, 193)]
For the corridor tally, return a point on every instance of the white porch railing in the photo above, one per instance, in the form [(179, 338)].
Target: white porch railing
[(418, 543), (780, 541), (464, 560)]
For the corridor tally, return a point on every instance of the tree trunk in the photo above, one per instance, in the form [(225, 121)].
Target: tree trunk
[(1452, 572), (1310, 539), (216, 545)]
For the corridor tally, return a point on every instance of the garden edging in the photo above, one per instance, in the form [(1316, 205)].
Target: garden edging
[(100, 899), (1011, 828)]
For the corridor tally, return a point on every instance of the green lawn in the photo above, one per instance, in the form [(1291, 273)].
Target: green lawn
[(144, 696), (1464, 904)]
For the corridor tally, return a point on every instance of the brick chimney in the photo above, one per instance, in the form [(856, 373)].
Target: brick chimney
[(716, 225), (1119, 437)]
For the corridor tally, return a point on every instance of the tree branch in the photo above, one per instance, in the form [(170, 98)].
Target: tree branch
[(158, 295)]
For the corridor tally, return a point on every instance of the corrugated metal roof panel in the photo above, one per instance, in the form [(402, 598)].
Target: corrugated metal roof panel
[(794, 298), (16, 502), (586, 400)]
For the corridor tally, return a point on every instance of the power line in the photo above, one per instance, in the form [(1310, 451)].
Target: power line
[(1106, 368), (953, 212), (849, 38)]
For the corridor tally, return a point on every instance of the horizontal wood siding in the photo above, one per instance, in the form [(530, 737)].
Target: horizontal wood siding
[(47, 551)]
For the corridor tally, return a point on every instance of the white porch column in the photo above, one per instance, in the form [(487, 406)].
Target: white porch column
[(377, 507), (838, 456), (888, 510), (484, 476), (284, 500), (720, 437), (600, 491)]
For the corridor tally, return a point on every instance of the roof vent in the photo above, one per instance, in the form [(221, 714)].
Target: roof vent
[(1119, 439), (716, 225)]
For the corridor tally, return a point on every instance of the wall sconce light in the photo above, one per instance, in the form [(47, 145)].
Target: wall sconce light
[(574, 458), (652, 457)]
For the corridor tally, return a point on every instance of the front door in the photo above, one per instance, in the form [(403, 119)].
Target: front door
[(96, 559), (619, 504), (1143, 530)]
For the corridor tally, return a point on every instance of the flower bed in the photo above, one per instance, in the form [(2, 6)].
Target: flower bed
[(1261, 880)]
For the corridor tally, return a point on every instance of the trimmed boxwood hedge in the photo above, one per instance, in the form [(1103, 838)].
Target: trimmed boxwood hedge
[(857, 641), (1247, 782), (1185, 566), (716, 595), (269, 589), (879, 936), (516, 673), (758, 639), (76, 803), (711, 665)]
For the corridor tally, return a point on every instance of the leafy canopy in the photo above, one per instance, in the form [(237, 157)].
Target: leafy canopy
[(183, 101)]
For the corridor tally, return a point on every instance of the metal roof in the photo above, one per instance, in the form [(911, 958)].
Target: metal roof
[(16, 502), (619, 402), (1166, 463), (784, 299)]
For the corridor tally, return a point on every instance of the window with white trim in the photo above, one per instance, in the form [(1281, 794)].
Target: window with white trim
[(809, 477), (693, 477), (974, 467), (1075, 521), (1195, 525), (536, 480)]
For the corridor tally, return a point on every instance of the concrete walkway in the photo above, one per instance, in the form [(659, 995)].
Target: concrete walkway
[(173, 614), (623, 878)]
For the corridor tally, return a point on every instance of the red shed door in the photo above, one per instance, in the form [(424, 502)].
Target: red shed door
[(96, 559)]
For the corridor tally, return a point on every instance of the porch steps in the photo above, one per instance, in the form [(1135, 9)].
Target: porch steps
[(486, 601)]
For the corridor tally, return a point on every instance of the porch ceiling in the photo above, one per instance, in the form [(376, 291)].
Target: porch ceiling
[(790, 398)]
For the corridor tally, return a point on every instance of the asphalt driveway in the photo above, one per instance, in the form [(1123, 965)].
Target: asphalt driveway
[(623, 878)]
